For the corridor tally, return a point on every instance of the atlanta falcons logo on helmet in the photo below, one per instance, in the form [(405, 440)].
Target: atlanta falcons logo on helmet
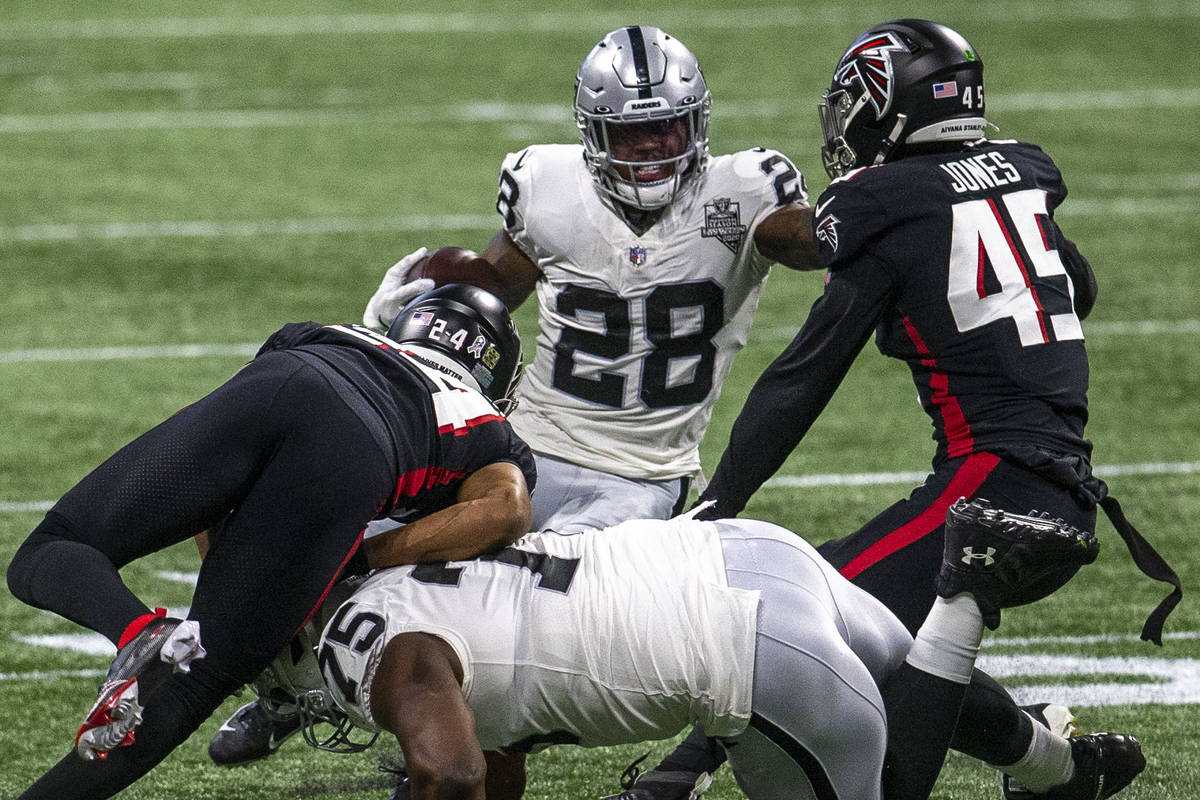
[(870, 62)]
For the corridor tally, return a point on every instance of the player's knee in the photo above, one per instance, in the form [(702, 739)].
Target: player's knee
[(23, 567), (18, 575)]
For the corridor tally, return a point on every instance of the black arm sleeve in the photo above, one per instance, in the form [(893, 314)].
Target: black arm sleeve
[(794, 389), (1081, 276)]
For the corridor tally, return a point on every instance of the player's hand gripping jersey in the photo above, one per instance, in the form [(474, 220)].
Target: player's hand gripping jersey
[(404, 400), (636, 333)]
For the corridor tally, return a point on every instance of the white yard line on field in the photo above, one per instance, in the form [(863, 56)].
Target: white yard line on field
[(1147, 327), (480, 111), (220, 229), (316, 226), (679, 18), (126, 353), (892, 478), (1143, 327), (1103, 638), (820, 480)]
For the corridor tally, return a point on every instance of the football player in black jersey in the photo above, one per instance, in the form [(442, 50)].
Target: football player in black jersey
[(284, 465), (944, 244)]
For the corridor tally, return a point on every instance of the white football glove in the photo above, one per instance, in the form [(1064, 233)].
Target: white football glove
[(393, 293)]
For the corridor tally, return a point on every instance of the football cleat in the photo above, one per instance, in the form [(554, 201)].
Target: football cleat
[(660, 785), (1005, 559), (251, 734), (111, 722), (151, 647), (1105, 763)]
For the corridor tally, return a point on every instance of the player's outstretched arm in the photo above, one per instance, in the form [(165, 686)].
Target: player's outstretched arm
[(417, 696), (786, 237), (492, 511)]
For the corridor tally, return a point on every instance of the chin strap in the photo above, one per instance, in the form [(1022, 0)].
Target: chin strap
[(889, 144)]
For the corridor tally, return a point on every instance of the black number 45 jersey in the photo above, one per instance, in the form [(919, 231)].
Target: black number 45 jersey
[(957, 261)]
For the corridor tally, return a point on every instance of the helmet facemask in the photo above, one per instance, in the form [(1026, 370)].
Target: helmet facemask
[(835, 110), (672, 143), (292, 684)]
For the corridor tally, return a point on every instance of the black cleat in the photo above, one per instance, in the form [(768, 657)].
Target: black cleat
[(251, 734), (1007, 559), (660, 785), (1105, 763)]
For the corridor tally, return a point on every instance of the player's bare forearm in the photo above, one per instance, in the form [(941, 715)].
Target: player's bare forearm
[(493, 511), (514, 271), (416, 694), (786, 237)]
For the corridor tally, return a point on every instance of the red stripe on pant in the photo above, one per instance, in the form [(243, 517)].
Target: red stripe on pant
[(969, 477)]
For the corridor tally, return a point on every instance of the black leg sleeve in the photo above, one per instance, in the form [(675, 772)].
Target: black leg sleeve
[(991, 727), (922, 710), (73, 579)]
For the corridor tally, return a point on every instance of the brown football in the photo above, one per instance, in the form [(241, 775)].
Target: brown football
[(456, 265)]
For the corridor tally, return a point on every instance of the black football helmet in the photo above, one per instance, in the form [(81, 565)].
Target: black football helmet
[(905, 82), (467, 332)]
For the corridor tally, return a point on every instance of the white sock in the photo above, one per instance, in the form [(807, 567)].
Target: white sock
[(1046, 764), (948, 640)]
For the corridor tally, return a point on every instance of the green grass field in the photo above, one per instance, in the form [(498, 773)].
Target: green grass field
[(199, 173)]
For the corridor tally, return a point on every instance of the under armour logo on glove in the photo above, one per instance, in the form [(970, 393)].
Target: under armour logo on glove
[(969, 556)]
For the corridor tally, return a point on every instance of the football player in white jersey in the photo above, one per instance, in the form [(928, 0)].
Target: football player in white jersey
[(648, 255), (602, 637)]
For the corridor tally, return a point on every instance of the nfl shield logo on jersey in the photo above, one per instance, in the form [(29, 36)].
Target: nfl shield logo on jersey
[(637, 255)]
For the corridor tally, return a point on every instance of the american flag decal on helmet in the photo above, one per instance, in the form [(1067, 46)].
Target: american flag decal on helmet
[(870, 62)]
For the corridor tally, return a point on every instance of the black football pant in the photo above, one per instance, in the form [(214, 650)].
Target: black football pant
[(896, 557), (280, 466)]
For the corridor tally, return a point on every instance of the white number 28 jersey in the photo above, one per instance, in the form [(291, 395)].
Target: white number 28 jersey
[(636, 333)]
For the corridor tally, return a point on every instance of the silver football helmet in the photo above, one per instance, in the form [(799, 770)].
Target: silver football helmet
[(293, 684), (642, 84)]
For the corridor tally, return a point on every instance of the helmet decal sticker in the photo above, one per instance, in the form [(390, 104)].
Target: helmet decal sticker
[(870, 62)]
